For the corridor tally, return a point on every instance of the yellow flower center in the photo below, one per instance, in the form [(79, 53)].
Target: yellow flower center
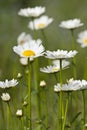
[(85, 40), (41, 25), (55, 69), (28, 53)]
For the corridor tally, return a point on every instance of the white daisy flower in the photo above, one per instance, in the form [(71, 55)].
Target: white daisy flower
[(50, 69), (57, 88), (71, 24), (55, 67), (5, 97), (70, 86), (19, 113), (23, 38), (8, 84), (24, 60), (40, 23), (65, 63), (32, 49), (60, 54), (32, 12), (82, 39), (81, 83)]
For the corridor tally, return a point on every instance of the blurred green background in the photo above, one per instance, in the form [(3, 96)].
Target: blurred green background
[(11, 25)]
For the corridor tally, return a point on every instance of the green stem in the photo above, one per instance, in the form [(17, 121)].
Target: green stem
[(84, 106), (8, 116), (66, 109), (74, 58), (29, 125), (37, 89), (46, 110), (61, 98)]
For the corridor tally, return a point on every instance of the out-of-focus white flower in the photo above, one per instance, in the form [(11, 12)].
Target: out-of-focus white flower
[(65, 63), (57, 88), (24, 60), (42, 83), (8, 84), (55, 67), (72, 85), (32, 49), (50, 69), (23, 38), (60, 54), (5, 97), (19, 113), (82, 39), (32, 12), (40, 23), (71, 24)]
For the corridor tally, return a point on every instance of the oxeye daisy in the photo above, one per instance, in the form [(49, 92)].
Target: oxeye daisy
[(23, 38), (32, 49), (8, 83), (5, 97), (71, 24), (72, 85), (82, 39), (40, 23), (32, 12), (55, 67), (60, 54)]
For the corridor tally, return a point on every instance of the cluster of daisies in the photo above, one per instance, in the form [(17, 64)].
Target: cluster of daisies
[(28, 49)]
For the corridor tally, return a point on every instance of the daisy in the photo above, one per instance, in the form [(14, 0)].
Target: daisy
[(82, 39), (83, 84), (5, 97), (72, 85), (71, 24), (23, 38), (32, 12), (24, 60), (60, 54), (32, 49), (8, 84), (55, 67), (40, 23), (65, 63)]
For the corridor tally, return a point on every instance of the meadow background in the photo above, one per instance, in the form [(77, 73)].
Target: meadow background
[(11, 25)]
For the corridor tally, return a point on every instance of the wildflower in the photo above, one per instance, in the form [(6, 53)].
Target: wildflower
[(32, 49), (40, 23), (23, 38), (42, 83), (71, 85), (71, 24), (24, 60), (5, 97), (32, 12), (55, 67), (8, 84), (82, 39), (60, 54), (19, 113)]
